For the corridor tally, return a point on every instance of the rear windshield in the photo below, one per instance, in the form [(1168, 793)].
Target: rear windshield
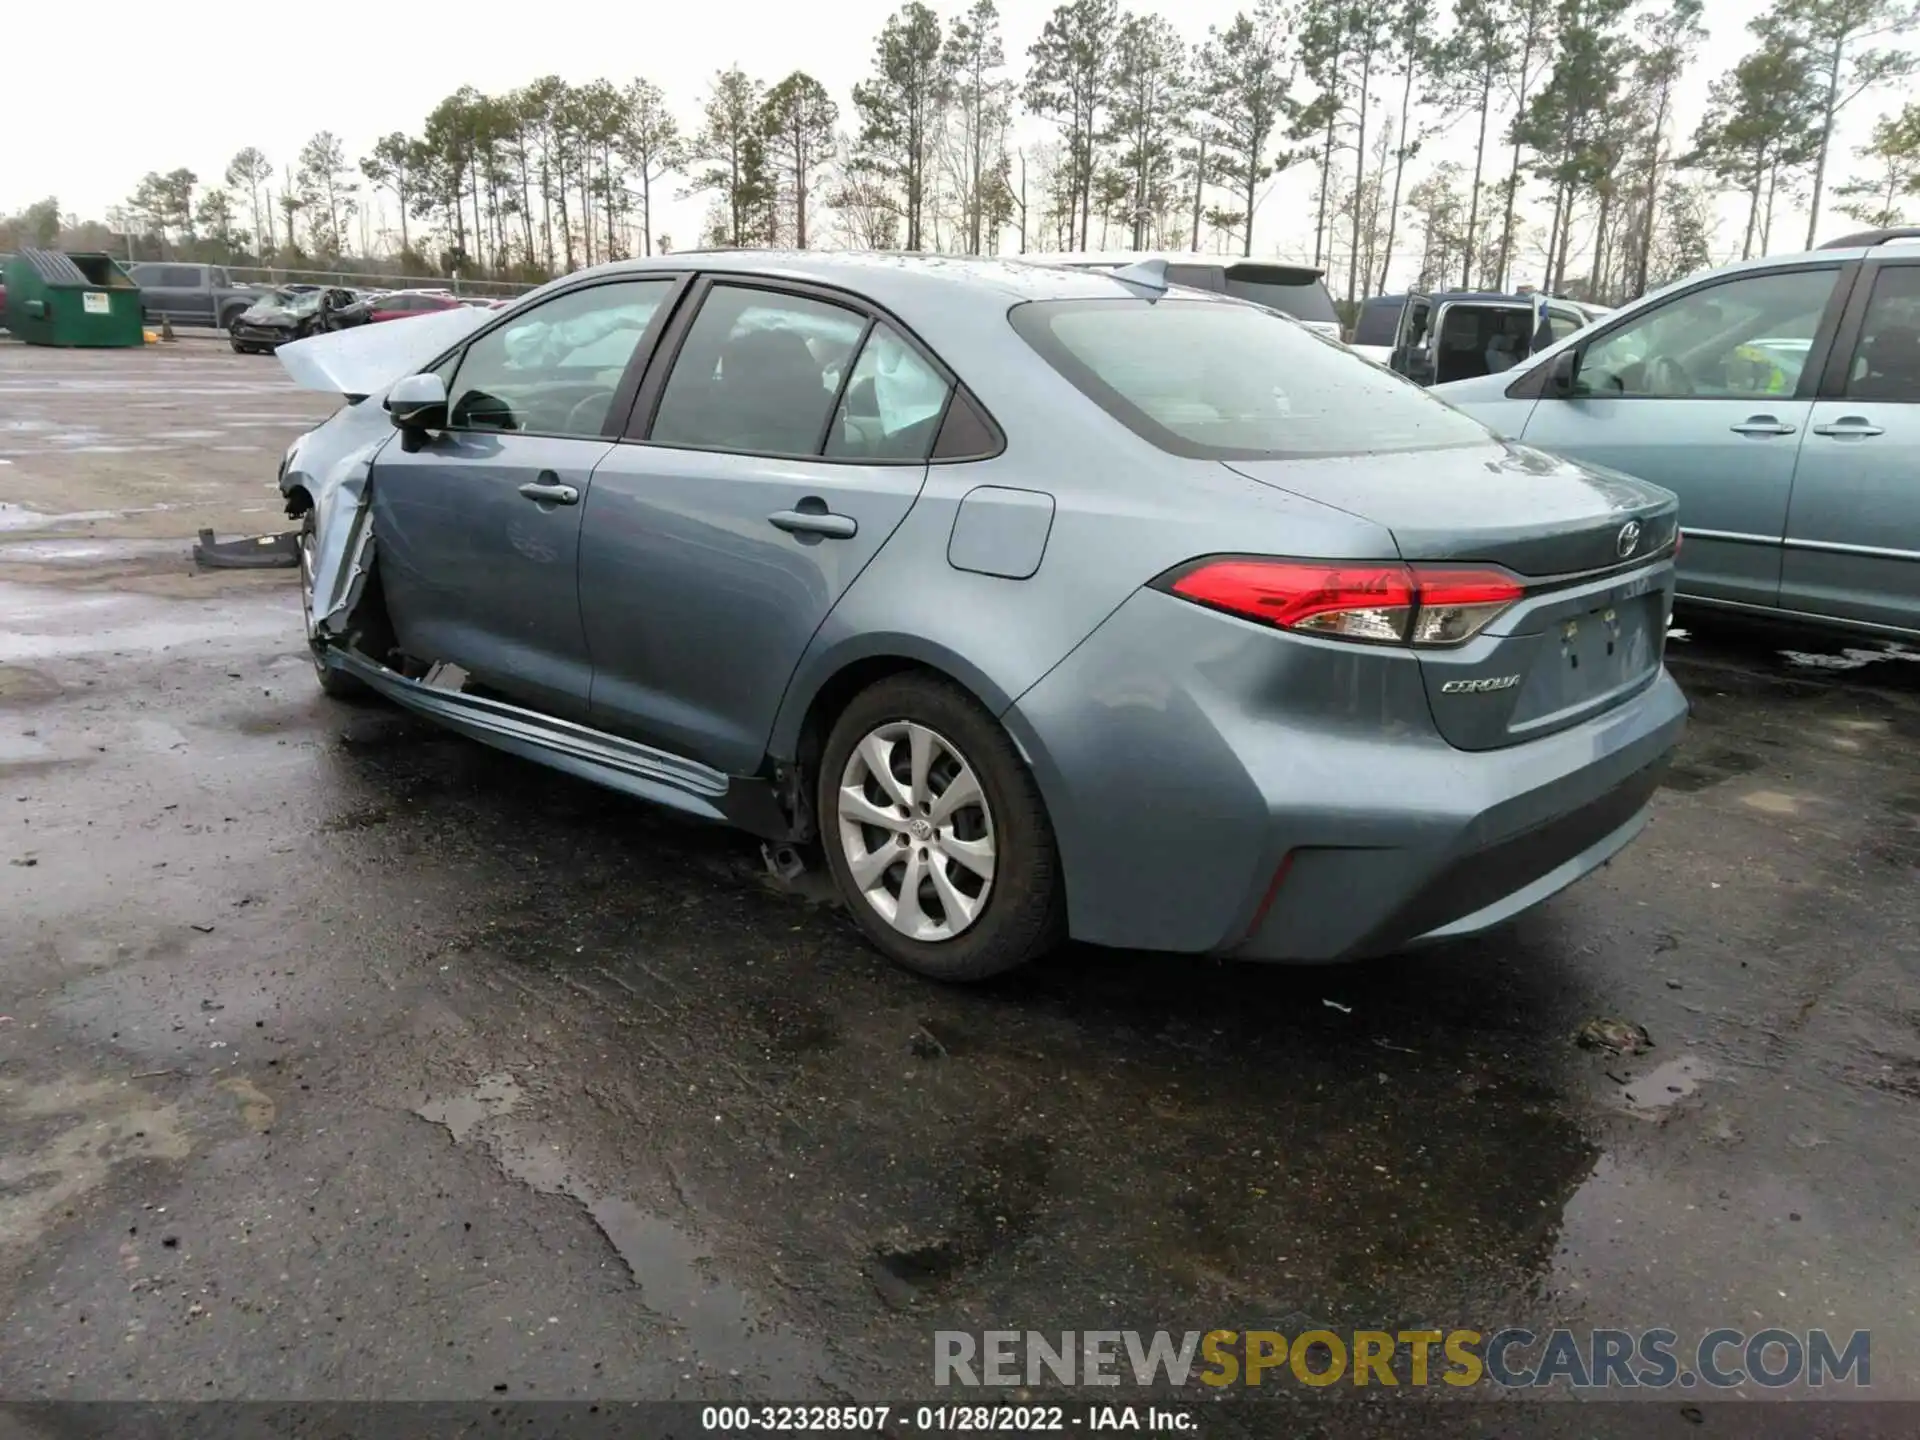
[(1379, 320), (1228, 382), (1304, 298)]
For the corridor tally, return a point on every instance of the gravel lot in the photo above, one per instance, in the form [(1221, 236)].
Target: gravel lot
[(345, 1058)]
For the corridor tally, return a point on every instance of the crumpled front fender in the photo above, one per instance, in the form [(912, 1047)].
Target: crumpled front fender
[(343, 534)]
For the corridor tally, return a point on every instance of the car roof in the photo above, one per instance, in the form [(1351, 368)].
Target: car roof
[(899, 278), (1494, 297)]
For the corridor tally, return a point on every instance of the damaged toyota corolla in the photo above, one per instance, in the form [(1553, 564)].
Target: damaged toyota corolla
[(1038, 603)]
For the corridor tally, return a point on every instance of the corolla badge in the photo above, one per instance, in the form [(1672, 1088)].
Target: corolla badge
[(1628, 539), (1479, 687)]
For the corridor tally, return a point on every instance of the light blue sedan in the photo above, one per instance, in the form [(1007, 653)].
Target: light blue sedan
[(1780, 400), (1033, 602)]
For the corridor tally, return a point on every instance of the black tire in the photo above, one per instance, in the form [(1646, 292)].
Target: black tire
[(1024, 912), (334, 684), (238, 348)]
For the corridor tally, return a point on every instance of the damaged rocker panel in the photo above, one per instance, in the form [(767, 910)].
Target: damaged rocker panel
[(620, 764)]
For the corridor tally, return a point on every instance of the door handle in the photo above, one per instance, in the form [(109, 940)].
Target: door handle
[(548, 491), (1849, 425), (815, 522), (1762, 425)]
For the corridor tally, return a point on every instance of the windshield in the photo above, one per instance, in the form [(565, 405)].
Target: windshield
[(1229, 382), (292, 301)]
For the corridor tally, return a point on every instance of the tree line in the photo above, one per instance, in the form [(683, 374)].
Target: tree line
[(1579, 175)]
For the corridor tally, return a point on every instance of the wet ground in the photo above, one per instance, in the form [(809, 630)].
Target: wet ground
[(341, 1057)]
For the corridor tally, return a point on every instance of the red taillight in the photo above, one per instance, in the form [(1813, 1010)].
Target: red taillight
[(1385, 604), (1676, 544)]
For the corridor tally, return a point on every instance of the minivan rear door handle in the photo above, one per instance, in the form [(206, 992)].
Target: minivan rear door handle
[(1849, 425), (1763, 425)]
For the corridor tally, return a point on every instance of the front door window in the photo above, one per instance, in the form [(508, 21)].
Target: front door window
[(1748, 337), (554, 370)]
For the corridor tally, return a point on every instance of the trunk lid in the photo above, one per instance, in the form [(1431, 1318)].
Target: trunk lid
[(1591, 630)]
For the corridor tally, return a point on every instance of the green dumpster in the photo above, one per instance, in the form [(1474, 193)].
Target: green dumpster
[(54, 298)]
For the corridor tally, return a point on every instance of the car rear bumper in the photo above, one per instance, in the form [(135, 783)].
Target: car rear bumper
[(1219, 788)]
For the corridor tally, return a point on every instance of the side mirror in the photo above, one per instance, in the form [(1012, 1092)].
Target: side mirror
[(1562, 371), (418, 402)]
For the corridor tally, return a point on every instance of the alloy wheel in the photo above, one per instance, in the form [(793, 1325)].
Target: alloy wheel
[(916, 831)]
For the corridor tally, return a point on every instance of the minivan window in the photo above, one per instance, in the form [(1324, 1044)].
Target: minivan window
[(1228, 382)]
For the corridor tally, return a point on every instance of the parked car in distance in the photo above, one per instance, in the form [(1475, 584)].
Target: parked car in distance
[(283, 315), (399, 304), (1296, 290), (1433, 337), (1041, 605), (1780, 400), (190, 294)]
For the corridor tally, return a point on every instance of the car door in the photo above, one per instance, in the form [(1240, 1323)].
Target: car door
[(189, 302), (203, 307), (1560, 322), (1674, 393), (1413, 341), (1853, 527), (156, 292), (478, 525), (781, 437)]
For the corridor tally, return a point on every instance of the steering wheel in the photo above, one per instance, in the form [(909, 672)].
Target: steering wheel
[(582, 414), (1667, 376)]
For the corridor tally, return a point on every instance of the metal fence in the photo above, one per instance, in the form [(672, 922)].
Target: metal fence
[(362, 280)]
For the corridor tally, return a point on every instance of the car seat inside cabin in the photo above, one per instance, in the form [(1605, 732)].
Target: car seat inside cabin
[(1475, 341)]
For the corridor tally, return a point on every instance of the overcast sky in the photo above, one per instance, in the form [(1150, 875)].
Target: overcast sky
[(95, 114)]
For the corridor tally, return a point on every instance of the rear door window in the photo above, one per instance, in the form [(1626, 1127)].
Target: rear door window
[(892, 404), (758, 374), (1226, 382)]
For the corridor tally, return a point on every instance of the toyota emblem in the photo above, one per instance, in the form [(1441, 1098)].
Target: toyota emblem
[(1628, 539)]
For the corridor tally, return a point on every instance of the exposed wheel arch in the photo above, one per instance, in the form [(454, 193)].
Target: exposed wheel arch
[(299, 501), (825, 683), (798, 762)]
